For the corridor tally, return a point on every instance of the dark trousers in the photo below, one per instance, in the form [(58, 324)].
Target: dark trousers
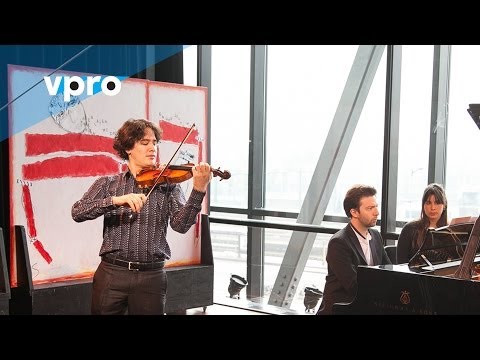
[(117, 290)]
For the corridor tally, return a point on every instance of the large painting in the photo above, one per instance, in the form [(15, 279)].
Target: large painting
[(58, 148)]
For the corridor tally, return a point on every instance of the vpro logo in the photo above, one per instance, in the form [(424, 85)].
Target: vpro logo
[(75, 85)]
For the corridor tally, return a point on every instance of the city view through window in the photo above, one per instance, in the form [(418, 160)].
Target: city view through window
[(303, 87)]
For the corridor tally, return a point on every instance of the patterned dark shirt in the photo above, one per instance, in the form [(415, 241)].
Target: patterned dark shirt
[(137, 236)]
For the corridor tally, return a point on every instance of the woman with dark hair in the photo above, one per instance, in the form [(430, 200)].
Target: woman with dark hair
[(434, 215)]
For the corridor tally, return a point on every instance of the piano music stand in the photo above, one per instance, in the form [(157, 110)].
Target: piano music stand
[(464, 270)]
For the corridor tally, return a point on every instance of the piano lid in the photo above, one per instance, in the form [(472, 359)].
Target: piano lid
[(443, 245), (474, 111)]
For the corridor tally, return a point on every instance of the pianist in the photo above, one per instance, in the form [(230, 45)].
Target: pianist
[(356, 244)]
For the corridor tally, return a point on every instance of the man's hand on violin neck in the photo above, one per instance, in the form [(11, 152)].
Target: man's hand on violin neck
[(135, 201), (202, 175)]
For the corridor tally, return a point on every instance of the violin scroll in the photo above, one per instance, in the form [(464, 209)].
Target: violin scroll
[(224, 175)]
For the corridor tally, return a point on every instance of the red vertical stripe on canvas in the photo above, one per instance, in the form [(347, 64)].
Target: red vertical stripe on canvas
[(27, 205), (200, 151), (32, 230), (41, 250)]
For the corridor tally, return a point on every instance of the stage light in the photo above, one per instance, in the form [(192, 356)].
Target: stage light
[(237, 283), (312, 295)]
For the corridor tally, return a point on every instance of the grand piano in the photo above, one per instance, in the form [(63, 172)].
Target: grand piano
[(443, 277)]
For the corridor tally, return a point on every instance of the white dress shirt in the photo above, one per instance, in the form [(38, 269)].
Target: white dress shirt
[(365, 244)]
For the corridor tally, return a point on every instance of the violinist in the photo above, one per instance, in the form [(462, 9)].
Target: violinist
[(131, 278)]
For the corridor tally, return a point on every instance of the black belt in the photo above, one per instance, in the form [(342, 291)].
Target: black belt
[(133, 265)]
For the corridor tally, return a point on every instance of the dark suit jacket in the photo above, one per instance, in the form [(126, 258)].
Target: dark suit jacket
[(344, 254)]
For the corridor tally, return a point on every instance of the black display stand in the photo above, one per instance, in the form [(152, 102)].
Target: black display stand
[(188, 286), (4, 280), (192, 286)]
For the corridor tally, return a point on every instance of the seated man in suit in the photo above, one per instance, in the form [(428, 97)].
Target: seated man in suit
[(356, 244)]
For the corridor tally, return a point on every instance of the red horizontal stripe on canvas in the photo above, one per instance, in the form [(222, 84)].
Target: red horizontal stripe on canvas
[(73, 166), (176, 133), (38, 144)]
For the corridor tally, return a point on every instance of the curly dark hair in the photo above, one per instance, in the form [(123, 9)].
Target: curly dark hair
[(132, 131)]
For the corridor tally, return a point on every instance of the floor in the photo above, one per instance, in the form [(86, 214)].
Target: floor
[(218, 309), (224, 305)]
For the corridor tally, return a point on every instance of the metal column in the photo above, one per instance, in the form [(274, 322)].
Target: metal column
[(327, 170), (438, 129)]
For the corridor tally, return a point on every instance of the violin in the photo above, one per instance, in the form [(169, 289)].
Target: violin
[(150, 177), (173, 174)]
